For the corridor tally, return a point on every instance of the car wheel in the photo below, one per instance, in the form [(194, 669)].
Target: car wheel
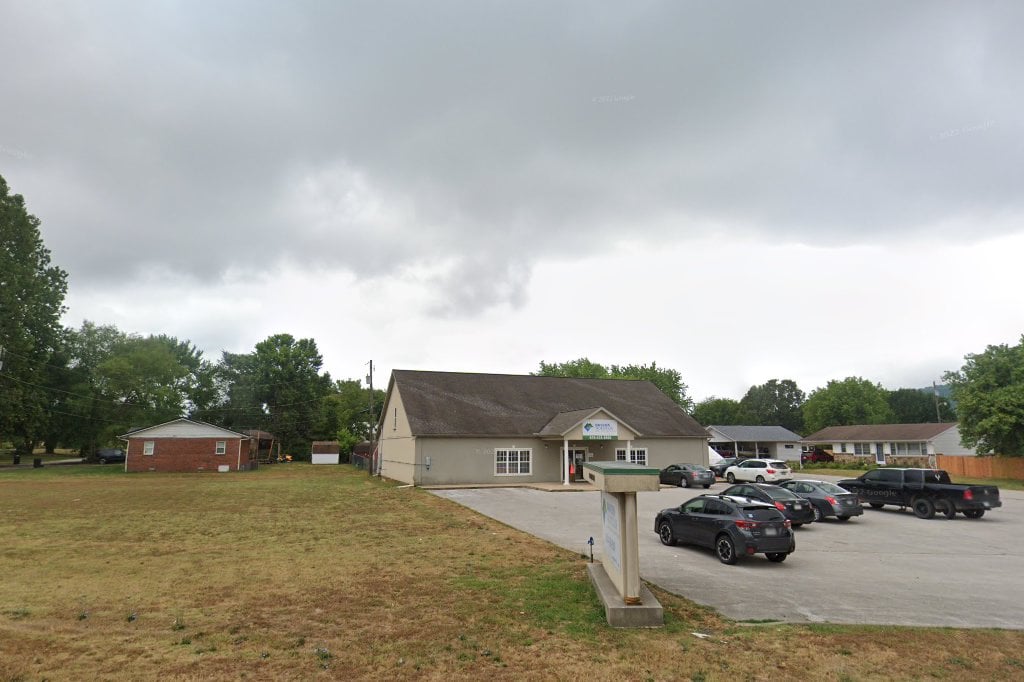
[(818, 514), (683, 483), (842, 518), (777, 557), (726, 550), (730, 477), (876, 505), (974, 513), (946, 508), (103, 460), (666, 534), (923, 508), (759, 479), (707, 486)]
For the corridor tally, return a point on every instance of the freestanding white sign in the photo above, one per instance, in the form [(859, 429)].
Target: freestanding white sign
[(627, 601), (612, 533)]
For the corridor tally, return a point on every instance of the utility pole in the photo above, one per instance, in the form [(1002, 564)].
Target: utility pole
[(373, 422), (938, 415)]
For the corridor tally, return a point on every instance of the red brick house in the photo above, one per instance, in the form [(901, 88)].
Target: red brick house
[(186, 445)]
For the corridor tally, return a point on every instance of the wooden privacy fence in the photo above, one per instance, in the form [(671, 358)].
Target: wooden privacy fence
[(982, 467)]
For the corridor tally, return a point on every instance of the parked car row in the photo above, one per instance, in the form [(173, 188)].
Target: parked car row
[(757, 517), (754, 518)]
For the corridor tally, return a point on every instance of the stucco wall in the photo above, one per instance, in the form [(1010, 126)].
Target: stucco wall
[(780, 451), (397, 447), (471, 460), (949, 443)]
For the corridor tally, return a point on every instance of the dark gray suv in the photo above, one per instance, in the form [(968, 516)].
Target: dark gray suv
[(733, 527)]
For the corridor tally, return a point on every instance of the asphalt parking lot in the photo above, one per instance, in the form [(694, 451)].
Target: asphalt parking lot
[(885, 567)]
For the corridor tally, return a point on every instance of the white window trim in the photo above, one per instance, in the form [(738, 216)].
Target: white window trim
[(221, 448), (148, 447), (635, 455), (520, 461)]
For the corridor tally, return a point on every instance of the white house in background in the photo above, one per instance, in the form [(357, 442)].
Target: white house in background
[(885, 440), (766, 442)]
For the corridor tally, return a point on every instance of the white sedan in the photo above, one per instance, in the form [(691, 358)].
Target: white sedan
[(759, 471)]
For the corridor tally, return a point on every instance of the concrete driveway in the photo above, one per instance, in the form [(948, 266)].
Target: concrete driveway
[(885, 567)]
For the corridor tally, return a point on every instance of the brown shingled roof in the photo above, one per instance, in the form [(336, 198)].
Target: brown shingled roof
[(461, 404), (878, 432), (326, 447)]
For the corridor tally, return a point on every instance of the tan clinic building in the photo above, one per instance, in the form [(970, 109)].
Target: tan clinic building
[(450, 428)]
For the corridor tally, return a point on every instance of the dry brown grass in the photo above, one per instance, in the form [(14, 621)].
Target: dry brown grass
[(299, 572)]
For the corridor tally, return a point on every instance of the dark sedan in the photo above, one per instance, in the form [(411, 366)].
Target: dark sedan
[(733, 528), (110, 455), (795, 508), (685, 475), (720, 467), (827, 499)]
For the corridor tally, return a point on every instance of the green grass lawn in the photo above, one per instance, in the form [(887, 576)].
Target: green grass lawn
[(299, 572)]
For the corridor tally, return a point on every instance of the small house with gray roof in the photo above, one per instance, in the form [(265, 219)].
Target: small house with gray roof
[(448, 428), (771, 442), (882, 441)]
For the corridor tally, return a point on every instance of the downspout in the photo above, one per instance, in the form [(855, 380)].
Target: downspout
[(238, 466)]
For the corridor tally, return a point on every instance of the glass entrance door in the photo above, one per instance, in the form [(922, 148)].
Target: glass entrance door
[(578, 455)]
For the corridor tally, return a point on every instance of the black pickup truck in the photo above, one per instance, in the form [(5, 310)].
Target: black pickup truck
[(926, 491)]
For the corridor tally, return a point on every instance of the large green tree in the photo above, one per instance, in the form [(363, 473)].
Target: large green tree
[(155, 379), (989, 393), (278, 388), (347, 415), (582, 368), (720, 412), (32, 294), (110, 381), (670, 381), (775, 403), (851, 401), (83, 414), (916, 406)]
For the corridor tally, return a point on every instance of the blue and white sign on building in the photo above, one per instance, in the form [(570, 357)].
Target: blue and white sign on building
[(600, 429)]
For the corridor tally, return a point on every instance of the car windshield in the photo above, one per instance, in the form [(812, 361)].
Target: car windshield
[(831, 489)]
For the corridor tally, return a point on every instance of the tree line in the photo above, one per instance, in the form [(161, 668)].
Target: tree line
[(82, 388), (988, 394)]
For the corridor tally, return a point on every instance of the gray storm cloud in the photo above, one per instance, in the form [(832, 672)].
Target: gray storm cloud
[(485, 136)]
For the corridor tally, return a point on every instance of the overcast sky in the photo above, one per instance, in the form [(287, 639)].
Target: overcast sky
[(740, 191)]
